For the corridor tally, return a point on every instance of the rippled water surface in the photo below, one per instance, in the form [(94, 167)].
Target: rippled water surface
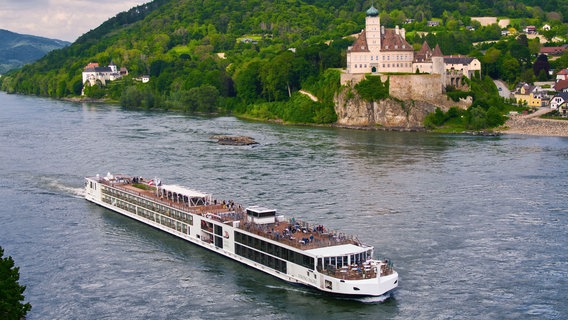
[(476, 226)]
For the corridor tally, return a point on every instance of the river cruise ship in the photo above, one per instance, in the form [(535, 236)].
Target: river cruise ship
[(287, 248)]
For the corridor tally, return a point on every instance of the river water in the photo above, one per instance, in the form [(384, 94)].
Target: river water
[(475, 226)]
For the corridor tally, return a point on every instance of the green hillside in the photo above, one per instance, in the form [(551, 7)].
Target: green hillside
[(19, 49), (247, 56)]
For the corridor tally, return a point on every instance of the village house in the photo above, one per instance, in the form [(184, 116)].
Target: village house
[(559, 101), (533, 96), (530, 30), (553, 51), (562, 75), (380, 50)]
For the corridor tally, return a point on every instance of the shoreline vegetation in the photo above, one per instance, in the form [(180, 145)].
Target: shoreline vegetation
[(520, 124)]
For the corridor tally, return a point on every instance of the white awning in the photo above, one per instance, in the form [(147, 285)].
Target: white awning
[(340, 250), (183, 191)]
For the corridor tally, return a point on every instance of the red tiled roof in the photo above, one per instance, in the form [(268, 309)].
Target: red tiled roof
[(424, 54), (552, 50), (360, 45), (437, 52), (391, 41), (561, 85)]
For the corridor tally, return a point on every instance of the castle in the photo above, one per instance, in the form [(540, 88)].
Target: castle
[(379, 50), (93, 73)]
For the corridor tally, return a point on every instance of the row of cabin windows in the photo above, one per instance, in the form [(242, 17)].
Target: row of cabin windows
[(275, 250), (139, 201), (163, 220), (259, 257)]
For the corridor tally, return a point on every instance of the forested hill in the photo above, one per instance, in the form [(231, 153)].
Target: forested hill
[(201, 54), (18, 49)]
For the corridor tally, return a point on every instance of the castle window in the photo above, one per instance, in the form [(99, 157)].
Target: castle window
[(371, 58)]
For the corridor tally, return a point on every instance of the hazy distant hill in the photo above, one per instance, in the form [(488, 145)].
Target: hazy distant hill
[(19, 49)]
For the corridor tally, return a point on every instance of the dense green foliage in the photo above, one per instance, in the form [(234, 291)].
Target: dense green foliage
[(11, 292), (251, 57), (486, 111), (372, 88)]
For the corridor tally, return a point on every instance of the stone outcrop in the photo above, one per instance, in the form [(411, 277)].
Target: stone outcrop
[(412, 97), (235, 140)]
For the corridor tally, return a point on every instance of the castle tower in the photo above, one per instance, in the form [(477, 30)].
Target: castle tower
[(373, 29), (438, 66)]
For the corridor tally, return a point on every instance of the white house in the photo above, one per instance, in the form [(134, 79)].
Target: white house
[(559, 100)]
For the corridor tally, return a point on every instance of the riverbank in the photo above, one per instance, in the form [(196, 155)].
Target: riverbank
[(533, 125), (519, 124)]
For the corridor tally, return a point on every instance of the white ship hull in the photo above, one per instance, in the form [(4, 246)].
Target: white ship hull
[(328, 265)]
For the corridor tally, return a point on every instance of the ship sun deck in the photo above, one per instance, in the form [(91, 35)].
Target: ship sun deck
[(289, 231), (338, 255)]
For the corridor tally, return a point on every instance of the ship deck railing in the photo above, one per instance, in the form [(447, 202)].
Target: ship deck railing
[(293, 232), (357, 271)]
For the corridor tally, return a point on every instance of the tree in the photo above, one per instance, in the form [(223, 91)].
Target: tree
[(204, 98), (247, 81), (541, 64), (277, 77), (11, 292), (476, 118), (372, 88)]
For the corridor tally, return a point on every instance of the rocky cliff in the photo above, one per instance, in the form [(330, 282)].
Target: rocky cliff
[(412, 97)]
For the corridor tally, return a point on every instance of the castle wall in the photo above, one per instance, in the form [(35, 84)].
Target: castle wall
[(425, 87)]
